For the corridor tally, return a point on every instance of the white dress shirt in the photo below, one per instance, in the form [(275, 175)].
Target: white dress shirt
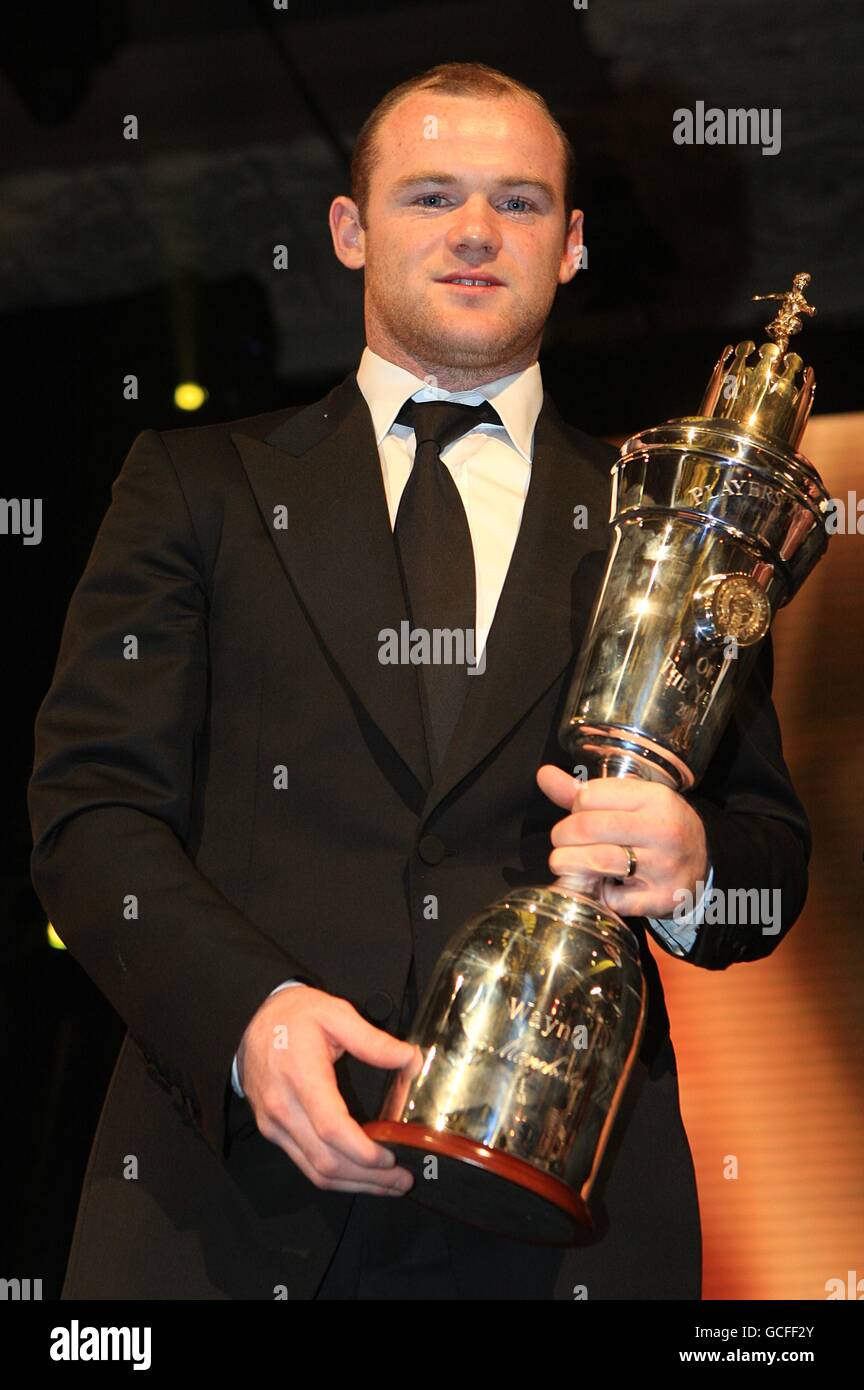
[(491, 467)]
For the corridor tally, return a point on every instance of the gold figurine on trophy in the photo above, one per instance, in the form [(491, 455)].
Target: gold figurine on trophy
[(767, 397), (792, 303)]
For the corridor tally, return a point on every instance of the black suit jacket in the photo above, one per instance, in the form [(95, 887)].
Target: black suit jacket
[(231, 789)]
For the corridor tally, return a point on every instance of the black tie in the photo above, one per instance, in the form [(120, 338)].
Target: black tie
[(434, 547)]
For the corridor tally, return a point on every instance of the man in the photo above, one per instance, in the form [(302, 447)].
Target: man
[(257, 833)]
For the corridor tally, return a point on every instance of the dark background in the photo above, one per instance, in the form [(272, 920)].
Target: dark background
[(155, 257)]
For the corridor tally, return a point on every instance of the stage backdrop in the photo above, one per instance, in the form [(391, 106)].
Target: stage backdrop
[(770, 1058)]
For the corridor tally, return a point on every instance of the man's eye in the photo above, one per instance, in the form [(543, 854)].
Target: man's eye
[(424, 200)]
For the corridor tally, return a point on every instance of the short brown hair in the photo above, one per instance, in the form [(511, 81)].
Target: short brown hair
[(454, 79)]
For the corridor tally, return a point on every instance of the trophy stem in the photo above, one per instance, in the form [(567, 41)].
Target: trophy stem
[(621, 765), (586, 883)]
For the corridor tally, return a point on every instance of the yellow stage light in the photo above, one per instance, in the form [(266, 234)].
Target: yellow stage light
[(53, 939), (189, 396)]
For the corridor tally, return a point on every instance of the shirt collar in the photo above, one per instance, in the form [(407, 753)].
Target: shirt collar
[(517, 397)]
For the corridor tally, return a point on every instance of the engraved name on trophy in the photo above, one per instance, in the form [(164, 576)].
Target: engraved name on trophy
[(530, 1027)]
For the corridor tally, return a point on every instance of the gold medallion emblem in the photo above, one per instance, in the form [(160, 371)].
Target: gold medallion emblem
[(733, 606)]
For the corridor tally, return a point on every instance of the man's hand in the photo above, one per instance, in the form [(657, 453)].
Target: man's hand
[(286, 1063), (661, 828)]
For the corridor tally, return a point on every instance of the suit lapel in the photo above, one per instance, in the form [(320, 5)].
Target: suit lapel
[(319, 474), (545, 601)]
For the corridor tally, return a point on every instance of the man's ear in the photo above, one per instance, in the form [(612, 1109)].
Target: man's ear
[(349, 238), (573, 255)]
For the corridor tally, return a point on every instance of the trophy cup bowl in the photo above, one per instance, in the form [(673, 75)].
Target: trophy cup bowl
[(528, 1030)]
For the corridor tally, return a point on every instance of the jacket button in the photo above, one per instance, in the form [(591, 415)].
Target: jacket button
[(378, 1007), (431, 849)]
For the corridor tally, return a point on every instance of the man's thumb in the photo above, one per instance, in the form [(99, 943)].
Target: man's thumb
[(558, 785)]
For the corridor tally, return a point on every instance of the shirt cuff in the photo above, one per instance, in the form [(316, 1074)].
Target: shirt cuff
[(677, 934), (235, 1074)]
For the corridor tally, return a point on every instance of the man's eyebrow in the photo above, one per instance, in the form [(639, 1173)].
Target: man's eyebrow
[(507, 181)]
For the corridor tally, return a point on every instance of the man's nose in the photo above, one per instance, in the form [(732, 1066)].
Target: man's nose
[(474, 230)]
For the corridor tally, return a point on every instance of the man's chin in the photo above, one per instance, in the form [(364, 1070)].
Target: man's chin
[(460, 349)]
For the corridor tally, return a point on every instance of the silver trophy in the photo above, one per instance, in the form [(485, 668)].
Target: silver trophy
[(528, 1031)]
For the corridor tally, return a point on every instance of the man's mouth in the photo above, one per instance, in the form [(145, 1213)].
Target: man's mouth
[(472, 283)]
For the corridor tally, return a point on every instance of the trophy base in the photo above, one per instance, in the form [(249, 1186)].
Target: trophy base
[(484, 1187)]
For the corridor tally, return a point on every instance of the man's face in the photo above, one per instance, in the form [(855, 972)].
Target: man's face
[(463, 189)]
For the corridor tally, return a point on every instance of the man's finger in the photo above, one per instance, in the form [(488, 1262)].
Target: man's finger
[(606, 828), (635, 902), (625, 794), (330, 1162), (345, 1182), (601, 793), (314, 1085), (367, 1043), (598, 859)]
